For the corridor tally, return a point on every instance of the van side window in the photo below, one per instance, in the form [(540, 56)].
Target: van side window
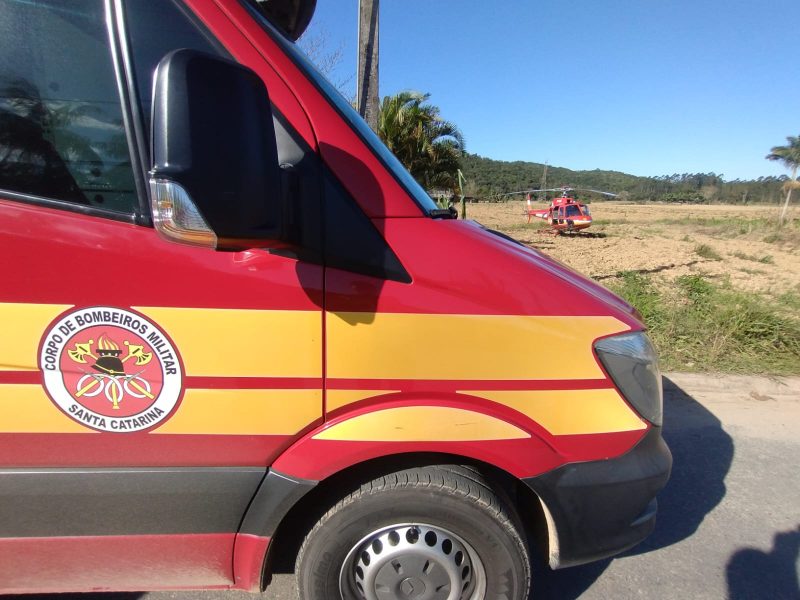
[(155, 29), (61, 131)]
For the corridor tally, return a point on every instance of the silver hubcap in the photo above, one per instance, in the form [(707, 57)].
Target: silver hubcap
[(413, 562)]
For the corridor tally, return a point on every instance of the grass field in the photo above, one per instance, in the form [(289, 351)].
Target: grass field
[(719, 286)]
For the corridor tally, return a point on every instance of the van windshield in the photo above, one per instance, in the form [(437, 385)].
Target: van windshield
[(348, 113)]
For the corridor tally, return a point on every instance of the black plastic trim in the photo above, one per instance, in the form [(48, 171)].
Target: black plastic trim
[(352, 242), (130, 501), (276, 496), (134, 102), (291, 17), (443, 213), (212, 132), (601, 508), (121, 60), (82, 209)]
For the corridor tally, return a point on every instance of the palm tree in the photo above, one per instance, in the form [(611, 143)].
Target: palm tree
[(789, 155), (427, 145)]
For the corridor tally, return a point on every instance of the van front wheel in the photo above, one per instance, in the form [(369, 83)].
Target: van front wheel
[(435, 532)]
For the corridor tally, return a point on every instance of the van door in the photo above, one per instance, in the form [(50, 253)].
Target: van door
[(145, 386)]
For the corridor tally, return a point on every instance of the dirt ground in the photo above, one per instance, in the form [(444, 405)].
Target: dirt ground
[(744, 246)]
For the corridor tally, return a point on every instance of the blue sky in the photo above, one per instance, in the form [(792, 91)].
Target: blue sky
[(640, 86)]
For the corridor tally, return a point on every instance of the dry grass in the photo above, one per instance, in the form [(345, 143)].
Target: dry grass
[(665, 239)]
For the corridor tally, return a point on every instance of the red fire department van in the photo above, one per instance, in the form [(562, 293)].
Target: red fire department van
[(228, 338)]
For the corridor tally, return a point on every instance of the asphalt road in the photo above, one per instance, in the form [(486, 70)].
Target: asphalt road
[(729, 519)]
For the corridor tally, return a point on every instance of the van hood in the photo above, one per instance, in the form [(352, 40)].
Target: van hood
[(462, 268), (557, 268)]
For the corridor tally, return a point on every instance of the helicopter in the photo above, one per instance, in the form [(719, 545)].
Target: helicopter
[(565, 213)]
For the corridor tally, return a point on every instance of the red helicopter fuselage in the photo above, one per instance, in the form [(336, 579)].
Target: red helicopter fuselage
[(564, 214)]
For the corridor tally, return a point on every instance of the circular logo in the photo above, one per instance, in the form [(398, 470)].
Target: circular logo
[(111, 369)]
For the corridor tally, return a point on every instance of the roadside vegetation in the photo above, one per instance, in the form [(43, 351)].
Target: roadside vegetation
[(488, 178), (706, 251), (699, 325), (789, 156), (766, 259)]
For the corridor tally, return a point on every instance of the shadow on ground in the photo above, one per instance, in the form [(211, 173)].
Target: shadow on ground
[(702, 453), (752, 573)]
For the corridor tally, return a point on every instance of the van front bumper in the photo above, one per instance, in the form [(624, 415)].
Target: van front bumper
[(600, 508)]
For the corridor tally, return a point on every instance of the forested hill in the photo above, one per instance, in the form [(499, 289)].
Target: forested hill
[(487, 178)]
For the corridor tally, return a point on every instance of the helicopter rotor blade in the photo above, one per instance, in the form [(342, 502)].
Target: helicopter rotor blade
[(565, 188), (530, 191), (596, 192)]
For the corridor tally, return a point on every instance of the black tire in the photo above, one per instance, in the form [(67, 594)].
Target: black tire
[(450, 500)]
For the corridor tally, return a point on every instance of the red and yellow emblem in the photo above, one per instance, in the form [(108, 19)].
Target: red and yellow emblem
[(111, 369)]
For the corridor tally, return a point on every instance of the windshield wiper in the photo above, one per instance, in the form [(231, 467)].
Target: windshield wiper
[(443, 213)]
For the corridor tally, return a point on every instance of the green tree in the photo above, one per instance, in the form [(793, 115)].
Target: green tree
[(789, 155), (428, 146)]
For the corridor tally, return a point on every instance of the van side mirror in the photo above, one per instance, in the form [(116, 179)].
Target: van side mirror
[(215, 179)]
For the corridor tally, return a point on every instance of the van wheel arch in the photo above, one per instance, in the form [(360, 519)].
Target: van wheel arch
[(308, 510)]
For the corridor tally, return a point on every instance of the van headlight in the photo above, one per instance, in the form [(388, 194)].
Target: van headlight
[(632, 362)]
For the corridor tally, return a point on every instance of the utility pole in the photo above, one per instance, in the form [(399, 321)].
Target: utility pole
[(461, 181), (543, 182), (367, 94)]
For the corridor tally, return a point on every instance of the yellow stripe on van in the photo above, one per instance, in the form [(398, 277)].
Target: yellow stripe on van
[(422, 424), (23, 326), (25, 408), (244, 412), (427, 346), (565, 412), (244, 343)]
